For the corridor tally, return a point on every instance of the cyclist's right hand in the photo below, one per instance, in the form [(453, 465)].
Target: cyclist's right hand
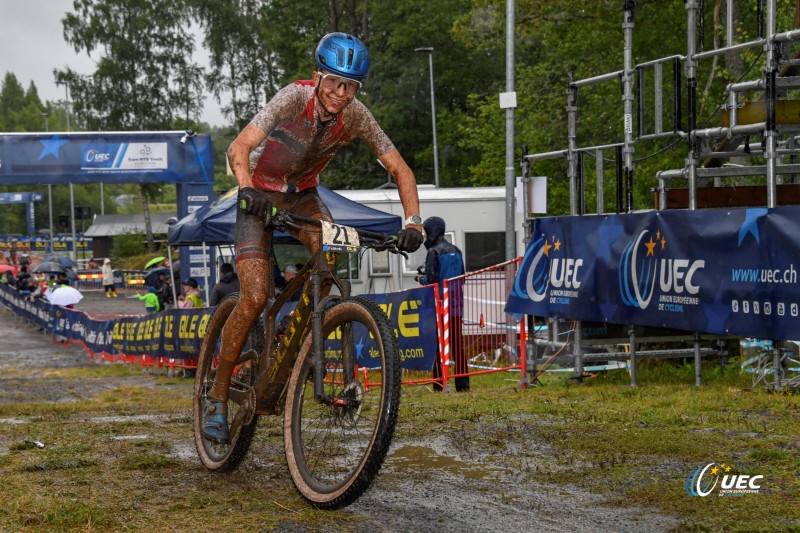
[(254, 202)]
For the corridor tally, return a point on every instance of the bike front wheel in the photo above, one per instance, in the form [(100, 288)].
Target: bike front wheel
[(336, 445)]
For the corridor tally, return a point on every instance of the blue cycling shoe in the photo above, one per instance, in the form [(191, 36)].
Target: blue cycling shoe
[(215, 421)]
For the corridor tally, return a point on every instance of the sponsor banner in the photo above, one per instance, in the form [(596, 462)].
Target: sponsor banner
[(412, 314), (80, 157), (179, 333), (731, 271), (116, 157), (37, 312)]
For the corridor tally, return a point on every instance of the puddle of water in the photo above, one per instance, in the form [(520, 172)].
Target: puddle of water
[(133, 418), (185, 451), (422, 457), (130, 437), (13, 421)]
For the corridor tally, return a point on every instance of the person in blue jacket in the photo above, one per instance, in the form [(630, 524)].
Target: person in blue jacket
[(445, 261)]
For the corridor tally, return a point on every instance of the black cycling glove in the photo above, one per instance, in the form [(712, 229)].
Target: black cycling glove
[(254, 202), (409, 239)]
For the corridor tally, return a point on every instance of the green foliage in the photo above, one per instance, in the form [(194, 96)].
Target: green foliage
[(144, 78), (129, 244)]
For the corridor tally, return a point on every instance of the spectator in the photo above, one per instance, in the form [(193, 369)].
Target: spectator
[(191, 296), (108, 279), (62, 279), (150, 300), (9, 279), (13, 254), (7, 256), (166, 298), (289, 273), (25, 259), (24, 281), (40, 287), (444, 261), (227, 283)]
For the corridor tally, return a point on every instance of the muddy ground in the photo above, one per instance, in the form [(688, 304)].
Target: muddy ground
[(428, 485)]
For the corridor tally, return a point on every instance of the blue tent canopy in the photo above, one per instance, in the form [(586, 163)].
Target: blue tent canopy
[(214, 223)]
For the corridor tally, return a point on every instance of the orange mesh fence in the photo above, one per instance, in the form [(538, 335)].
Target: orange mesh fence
[(476, 335)]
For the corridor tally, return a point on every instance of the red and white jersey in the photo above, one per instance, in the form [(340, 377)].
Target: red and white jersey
[(299, 146)]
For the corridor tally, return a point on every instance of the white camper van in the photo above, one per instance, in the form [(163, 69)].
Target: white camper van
[(475, 218)]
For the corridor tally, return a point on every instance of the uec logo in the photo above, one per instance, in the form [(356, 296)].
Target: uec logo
[(93, 156), (637, 276), (543, 271)]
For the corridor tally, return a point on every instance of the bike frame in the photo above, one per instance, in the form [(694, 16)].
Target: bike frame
[(274, 365)]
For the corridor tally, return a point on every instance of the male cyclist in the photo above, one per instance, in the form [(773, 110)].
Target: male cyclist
[(277, 159)]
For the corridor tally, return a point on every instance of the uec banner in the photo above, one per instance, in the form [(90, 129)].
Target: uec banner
[(722, 271)]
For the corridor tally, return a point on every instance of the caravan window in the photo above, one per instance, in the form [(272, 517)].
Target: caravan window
[(417, 259), (483, 249), (345, 262), (379, 264)]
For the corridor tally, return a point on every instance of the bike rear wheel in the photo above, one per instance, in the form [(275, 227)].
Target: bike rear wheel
[(335, 449), (225, 457)]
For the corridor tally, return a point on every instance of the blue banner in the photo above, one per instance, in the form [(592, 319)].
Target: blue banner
[(719, 271), (412, 314), (178, 333), (115, 157)]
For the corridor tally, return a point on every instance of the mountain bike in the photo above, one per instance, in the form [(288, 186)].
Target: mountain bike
[(331, 367)]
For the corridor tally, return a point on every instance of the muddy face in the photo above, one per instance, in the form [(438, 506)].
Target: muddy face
[(331, 98)]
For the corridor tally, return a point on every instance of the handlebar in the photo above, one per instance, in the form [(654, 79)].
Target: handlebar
[(379, 242)]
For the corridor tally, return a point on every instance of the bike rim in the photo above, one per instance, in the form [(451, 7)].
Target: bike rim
[(334, 442)]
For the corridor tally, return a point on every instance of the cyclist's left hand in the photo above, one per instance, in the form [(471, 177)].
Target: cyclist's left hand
[(409, 239)]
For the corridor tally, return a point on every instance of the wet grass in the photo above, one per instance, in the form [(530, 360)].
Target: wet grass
[(123, 459), (636, 446)]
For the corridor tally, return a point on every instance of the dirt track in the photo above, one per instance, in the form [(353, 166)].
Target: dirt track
[(431, 485)]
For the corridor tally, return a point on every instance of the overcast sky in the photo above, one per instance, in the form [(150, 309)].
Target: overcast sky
[(32, 45)]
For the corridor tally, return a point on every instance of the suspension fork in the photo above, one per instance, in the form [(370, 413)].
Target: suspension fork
[(321, 281), (318, 360)]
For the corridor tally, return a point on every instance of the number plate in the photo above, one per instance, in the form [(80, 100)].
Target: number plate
[(338, 238)]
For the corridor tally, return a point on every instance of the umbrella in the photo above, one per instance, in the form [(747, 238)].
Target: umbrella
[(7, 268), (64, 295), (151, 279), (65, 262), (154, 262), (49, 267)]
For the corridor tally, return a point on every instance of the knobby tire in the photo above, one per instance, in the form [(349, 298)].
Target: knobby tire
[(335, 452)]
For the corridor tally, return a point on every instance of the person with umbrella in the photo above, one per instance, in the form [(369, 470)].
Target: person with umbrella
[(49, 267), (154, 262), (64, 295), (108, 279)]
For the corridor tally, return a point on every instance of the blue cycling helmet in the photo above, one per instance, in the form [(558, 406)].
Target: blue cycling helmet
[(343, 55)]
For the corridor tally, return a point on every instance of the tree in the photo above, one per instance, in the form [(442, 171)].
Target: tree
[(236, 34), (145, 76)]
